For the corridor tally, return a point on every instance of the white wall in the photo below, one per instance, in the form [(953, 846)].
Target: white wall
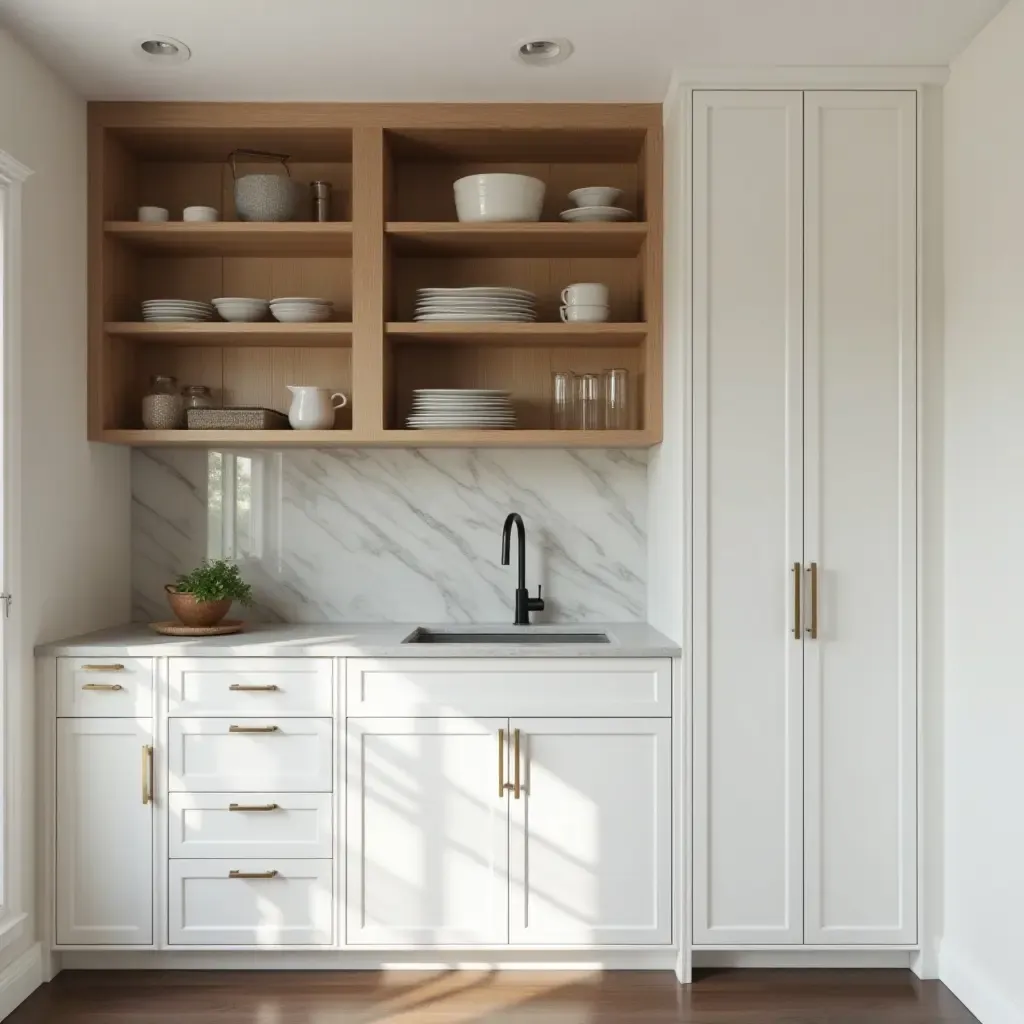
[(74, 496), (983, 944)]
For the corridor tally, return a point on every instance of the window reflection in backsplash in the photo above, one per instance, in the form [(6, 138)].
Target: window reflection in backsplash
[(243, 518)]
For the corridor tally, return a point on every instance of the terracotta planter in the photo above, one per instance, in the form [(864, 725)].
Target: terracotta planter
[(191, 612)]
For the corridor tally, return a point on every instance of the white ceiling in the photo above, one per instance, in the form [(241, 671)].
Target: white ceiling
[(461, 50)]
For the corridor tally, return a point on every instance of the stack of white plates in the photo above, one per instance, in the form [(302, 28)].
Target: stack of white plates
[(475, 304), (298, 310), (461, 409), (175, 311)]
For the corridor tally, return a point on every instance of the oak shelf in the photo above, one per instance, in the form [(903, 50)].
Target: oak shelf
[(507, 334), (234, 238), (326, 335), (559, 239)]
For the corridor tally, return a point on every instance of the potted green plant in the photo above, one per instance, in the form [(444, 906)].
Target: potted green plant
[(202, 597)]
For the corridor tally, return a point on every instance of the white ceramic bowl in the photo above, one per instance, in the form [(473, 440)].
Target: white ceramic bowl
[(493, 197), (241, 310), (152, 214), (595, 195), (206, 214), (297, 314)]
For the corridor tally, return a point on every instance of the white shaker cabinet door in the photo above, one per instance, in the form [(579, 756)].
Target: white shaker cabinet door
[(591, 832), (427, 832), (104, 878), (747, 517), (860, 517)]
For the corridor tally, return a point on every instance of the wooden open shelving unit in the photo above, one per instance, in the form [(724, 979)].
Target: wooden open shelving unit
[(392, 168)]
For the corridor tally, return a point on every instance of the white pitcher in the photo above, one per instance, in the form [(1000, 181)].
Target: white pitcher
[(313, 408)]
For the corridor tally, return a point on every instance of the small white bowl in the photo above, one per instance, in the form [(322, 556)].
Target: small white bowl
[(238, 310), (584, 314), (301, 314), (499, 197), (153, 214), (595, 195), (292, 299), (200, 213)]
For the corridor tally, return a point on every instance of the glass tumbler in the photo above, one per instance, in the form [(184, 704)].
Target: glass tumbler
[(616, 399), (562, 401), (588, 402)]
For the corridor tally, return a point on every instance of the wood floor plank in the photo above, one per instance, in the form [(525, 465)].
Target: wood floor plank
[(463, 997)]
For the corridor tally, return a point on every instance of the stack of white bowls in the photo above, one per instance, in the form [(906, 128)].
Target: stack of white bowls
[(242, 311), (175, 311), (461, 409), (491, 197), (297, 310), (515, 305), (595, 203)]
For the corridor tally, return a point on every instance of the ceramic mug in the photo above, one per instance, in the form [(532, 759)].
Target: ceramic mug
[(585, 295), (152, 214), (200, 213), (313, 408), (584, 314)]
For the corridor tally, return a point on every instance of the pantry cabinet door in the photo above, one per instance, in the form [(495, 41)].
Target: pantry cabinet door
[(860, 517), (427, 850), (591, 832), (747, 517), (104, 877)]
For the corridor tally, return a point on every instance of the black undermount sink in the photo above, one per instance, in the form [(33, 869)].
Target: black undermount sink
[(519, 636)]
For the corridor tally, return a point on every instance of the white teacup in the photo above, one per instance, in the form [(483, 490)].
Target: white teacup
[(153, 214), (200, 213), (585, 295), (584, 314), (595, 195)]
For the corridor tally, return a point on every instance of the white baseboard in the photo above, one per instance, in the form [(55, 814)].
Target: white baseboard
[(355, 960), (977, 991), (816, 958), (20, 979)]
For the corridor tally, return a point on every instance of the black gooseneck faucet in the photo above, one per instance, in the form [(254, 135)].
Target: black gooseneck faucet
[(524, 603)]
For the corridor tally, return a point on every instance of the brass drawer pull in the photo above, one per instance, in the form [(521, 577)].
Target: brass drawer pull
[(147, 774), (252, 807), (102, 686), (252, 874), (813, 628), (797, 622), (103, 668), (503, 786), (252, 728), (515, 786), (246, 688)]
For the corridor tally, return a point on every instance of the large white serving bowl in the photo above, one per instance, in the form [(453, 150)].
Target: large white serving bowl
[(495, 197), (237, 310)]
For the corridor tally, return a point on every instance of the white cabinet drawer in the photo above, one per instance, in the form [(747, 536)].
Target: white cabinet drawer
[(501, 687), (250, 686), (104, 687), (288, 903), (224, 755), (289, 825)]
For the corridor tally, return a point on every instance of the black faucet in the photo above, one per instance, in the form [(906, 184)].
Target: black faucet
[(524, 603)]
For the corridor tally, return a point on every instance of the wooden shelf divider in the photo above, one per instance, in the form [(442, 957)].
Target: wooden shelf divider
[(509, 334), (234, 238), (550, 239), (322, 335)]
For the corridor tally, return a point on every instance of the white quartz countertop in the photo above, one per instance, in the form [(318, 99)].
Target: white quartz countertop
[(376, 640)]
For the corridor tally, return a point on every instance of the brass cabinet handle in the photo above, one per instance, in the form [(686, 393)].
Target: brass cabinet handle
[(813, 628), (516, 786), (501, 763), (103, 668), (252, 874), (147, 774), (252, 807), (102, 686), (797, 623), (253, 689), (252, 728)]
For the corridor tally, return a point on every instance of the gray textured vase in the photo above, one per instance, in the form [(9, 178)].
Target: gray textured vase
[(265, 197)]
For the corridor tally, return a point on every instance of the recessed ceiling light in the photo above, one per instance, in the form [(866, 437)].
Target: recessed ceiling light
[(162, 50), (543, 53)]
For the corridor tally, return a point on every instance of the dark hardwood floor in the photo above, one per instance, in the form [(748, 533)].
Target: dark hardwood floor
[(349, 997)]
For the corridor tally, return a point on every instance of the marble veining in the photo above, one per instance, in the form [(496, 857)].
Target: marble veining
[(397, 536)]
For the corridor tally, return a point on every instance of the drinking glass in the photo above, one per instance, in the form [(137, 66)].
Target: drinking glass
[(616, 399), (588, 402), (562, 400)]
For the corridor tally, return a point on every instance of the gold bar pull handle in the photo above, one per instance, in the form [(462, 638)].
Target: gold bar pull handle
[(813, 628), (797, 623), (252, 728), (102, 686), (147, 774), (246, 688), (516, 788), (252, 807), (252, 874), (501, 762), (103, 668)]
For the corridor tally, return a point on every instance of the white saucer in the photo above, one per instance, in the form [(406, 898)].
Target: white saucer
[(596, 213)]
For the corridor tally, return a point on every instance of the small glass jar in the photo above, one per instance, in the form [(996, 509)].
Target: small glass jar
[(163, 408), (588, 402), (198, 396), (562, 401)]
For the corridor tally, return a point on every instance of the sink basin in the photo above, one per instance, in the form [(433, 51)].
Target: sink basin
[(440, 636)]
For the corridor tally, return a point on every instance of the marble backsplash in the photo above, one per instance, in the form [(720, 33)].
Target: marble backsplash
[(396, 536)]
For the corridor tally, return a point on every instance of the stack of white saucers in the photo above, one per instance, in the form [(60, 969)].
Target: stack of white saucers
[(475, 304), (461, 409), (294, 310), (175, 311)]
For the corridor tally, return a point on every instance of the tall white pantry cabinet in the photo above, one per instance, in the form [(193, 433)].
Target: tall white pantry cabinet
[(804, 322)]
